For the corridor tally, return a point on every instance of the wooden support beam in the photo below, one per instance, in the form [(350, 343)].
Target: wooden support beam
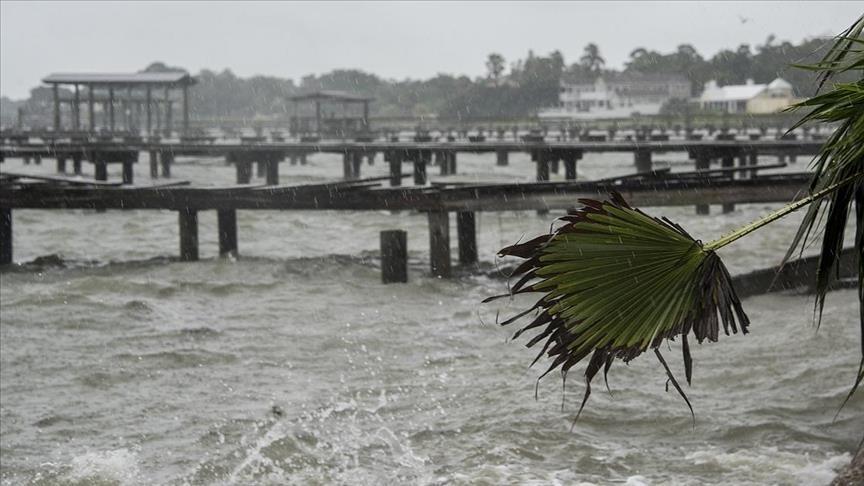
[(61, 164), (37, 159), (111, 121), (570, 167), (272, 169), (244, 170), (395, 161), (261, 166), (501, 158), (466, 232), (642, 159), (394, 256), (55, 90), (439, 243), (356, 164), (5, 236), (166, 158), (149, 102), (101, 170), (541, 158), (188, 219), (185, 109), (76, 164), (76, 110), (703, 162), (451, 161), (227, 222), (752, 161), (154, 164), (421, 158), (91, 114), (347, 172), (128, 171), (728, 161), (442, 159)]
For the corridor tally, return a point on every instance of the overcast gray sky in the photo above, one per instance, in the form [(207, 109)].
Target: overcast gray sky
[(394, 40)]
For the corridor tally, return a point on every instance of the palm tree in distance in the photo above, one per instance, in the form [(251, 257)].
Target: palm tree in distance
[(591, 59), (617, 282)]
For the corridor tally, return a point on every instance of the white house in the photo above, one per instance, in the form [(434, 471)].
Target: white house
[(617, 96), (747, 98)]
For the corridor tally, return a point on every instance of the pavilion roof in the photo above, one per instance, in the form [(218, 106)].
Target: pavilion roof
[(330, 95), (167, 79)]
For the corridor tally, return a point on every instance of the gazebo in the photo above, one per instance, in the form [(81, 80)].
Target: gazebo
[(327, 123), (134, 92)]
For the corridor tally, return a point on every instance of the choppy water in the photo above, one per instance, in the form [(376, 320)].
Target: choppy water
[(294, 364)]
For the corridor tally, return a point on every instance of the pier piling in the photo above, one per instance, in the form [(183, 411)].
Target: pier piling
[(439, 243), (227, 223), (394, 256), (5, 236), (188, 219), (466, 232)]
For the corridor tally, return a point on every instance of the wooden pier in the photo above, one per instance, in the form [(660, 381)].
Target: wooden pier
[(653, 189)]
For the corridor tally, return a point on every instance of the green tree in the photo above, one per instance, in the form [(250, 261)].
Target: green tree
[(591, 59), (495, 67)]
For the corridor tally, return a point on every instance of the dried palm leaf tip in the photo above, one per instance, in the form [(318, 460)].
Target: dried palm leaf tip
[(616, 283)]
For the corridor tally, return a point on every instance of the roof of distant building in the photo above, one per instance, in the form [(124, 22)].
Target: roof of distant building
[(739, 92), (175, 78), (330, 95)]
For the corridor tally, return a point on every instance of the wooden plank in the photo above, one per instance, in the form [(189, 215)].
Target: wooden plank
[(66, 180)]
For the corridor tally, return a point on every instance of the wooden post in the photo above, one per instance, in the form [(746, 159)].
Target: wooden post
[(149, 102), (227, 222), (318, 118), (169, 118), (643, 160), (441, 158), (394, 256), (752, 161), (395, 161), (466, 232), (501, 157), (570, 167), (728, 161), (91, 117), (111, 121), (76, 164), (101, 170), (261, 166), (188, 219), (272, 167), (154, 164), (167, 159), (128, 171), (542, 160), (703, 162), (244, 169), (347, 172), (76, 111), (185, 109), (439, 243), (451, 162), (5, 236), (421, 158), (61, 164), (37, 159), (56, 91), (303, 159)]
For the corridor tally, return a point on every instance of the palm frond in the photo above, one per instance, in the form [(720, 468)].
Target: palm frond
[(841, 157), (616, 283)]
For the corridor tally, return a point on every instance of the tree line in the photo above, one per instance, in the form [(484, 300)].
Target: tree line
[(519, 89)]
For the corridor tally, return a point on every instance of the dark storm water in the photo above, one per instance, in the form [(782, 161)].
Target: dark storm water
[(294, 364)]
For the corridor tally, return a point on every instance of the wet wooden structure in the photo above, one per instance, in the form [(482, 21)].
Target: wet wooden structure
[(327, 124), (147, 94), (18, 191)]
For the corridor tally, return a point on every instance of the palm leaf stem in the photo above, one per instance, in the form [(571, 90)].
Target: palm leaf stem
[(770, 218)]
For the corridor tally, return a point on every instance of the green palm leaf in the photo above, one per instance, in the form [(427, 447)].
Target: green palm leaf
[(618, 282)]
